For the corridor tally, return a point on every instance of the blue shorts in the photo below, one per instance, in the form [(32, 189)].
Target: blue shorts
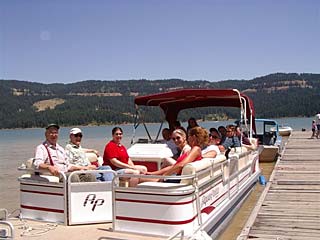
[(120, 170)]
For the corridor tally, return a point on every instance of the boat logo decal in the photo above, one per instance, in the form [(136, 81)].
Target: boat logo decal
[(209, 197), (91, 199)]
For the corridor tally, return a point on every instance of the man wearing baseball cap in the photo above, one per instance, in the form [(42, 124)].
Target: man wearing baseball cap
[(77, 155)]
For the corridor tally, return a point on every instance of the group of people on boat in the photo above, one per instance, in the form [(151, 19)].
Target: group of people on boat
[(186, 146)]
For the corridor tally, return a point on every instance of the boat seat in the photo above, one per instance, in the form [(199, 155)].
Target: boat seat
[(238, 150), (167, 185), (33, 174), (242, 154), (40, 178), (98, 161), (195, 167)]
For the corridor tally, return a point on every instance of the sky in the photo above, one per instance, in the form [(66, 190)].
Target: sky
[(66, 41)]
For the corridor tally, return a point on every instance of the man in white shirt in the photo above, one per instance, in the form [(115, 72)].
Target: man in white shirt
[(166, 134)]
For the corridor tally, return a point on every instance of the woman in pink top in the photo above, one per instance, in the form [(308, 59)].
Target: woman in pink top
[(179, 137)]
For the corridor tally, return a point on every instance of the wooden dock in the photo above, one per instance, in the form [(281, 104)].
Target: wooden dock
[(289, 207)]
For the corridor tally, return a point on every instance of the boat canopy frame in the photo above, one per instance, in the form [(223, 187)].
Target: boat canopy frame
[(174, 101)]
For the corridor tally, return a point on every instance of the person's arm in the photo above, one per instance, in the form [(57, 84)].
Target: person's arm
[(226, 144), (193, 155), (120, 164), (221, 148), (210, 154), (160, 172), (52, 169), (130, 163), (89, 150), (77, 168)]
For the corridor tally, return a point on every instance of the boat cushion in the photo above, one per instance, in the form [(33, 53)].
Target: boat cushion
[(29, 167), (98, 161), (42, 178), (159, 184), (195, 167)]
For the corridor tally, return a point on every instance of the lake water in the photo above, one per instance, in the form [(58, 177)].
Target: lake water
[(18, 145)]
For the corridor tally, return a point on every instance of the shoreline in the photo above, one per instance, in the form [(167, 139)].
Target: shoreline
[(127, 124)]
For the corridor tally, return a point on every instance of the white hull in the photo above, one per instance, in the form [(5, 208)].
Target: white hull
[(65, 202), (285, 131), (268, 153), (163, 209)]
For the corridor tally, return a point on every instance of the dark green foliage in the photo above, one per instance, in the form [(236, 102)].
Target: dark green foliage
[(90, 102)]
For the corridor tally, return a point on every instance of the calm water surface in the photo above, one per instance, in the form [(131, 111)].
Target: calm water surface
[(18, 145)]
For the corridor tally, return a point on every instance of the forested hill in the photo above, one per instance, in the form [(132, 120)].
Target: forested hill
[(27, 104)]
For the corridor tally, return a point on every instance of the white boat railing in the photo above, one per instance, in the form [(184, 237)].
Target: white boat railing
[(65, 202), (6, 228), (173, 237), (227, 171)]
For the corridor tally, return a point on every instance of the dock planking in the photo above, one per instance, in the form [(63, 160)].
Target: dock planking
[(289, 207)]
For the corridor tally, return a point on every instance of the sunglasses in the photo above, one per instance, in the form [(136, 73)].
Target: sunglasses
[(78, 135), (118, 134), (176, 138), (214, 137)]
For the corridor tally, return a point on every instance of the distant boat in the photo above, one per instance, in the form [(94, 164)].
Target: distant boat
[(269, 139), (285, 130)]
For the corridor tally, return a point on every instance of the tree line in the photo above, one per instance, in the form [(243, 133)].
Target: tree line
[(89, 102)]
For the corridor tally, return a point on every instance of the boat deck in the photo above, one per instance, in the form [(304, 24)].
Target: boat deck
[(289, 207), (28, 229)]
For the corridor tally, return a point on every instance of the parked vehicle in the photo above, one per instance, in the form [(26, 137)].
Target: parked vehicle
[(269, 139)]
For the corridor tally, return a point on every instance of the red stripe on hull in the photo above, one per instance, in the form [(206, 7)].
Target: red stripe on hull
[(40, 185), (42, 209), (45, 193), (154, 194), (155, 220), (154, 202)]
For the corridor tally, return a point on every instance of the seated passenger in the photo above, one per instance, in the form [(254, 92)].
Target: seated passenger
[(223, 131), (77, 155), (180, 139), (176, 124), (231, 139), (192, 122), (52, 157), (116, 155), (243, 137), (214, 137), (166, 134), (197, 139), (212, 150)]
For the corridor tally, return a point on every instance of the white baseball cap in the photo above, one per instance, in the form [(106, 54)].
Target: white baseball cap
[(75, 131)]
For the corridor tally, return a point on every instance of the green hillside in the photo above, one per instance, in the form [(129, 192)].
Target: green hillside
[(27, 104)]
